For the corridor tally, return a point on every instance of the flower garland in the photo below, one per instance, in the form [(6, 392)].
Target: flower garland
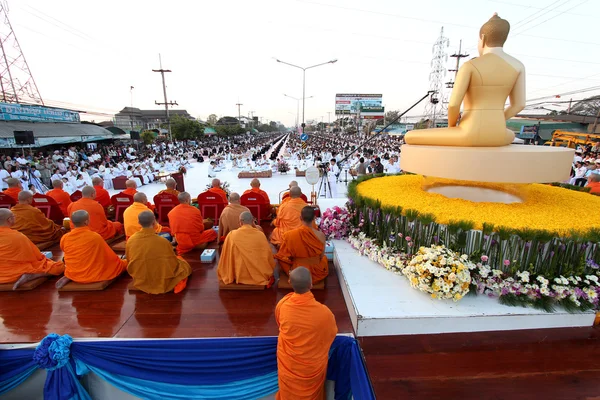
[(335, 223)]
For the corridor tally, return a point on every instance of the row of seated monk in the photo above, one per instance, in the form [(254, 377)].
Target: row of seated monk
[(246, 257)]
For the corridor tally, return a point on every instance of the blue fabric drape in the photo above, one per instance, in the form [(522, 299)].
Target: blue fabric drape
[(347, 370), (15, 367)]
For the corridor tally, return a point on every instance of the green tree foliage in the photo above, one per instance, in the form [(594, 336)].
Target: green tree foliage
[(183, 128), (212, 119), (147, 137), (229, 130)]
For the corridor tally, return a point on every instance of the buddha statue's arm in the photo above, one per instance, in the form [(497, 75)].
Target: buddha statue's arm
[(516, 97), (463, 79)]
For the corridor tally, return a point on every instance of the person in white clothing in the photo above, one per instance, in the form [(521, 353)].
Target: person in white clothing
[(393, 166), (212, 173), (4, 176), (332, 174)]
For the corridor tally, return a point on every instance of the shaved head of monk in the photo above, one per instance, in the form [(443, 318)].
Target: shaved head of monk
[(80, 218), (171, 184), (234, 198), (301, 280), (295, 192), (88, 192), (216, 183), (140, 197), (13, 183), (255, 183), (246, 218), (25, 197), (130, 184), (56, 184), (184, 198), (7, 218), (292, 184), (307, 215), (97, 181), (146, 219)]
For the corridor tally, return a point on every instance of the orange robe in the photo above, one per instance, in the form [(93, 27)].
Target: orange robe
[(594, 187), (13, 192), (246, 258), (102, 196), (170, 191), (62, 198), (259, 191), (131, 192), (220, 192), (32, 223), (130, 219), (18, 256), (307, 329), (303, 248), (288, 218), (98, 222), (187, 226), (153, 265), (230, 219), (88, 258)]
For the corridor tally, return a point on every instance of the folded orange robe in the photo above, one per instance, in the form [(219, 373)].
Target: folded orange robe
[(32, 223), (62, 198), (306, 330), (130, 219), (220, 192), (246, 258), (288, 218), (102, 196), (230, 219), (88, 258), (187, 226), (259, 191), (301, 247), (98, 221), (169, 191), (131, 192), (18, 256), (13, 192), (153, 265)]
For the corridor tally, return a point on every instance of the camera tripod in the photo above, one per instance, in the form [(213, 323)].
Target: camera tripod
[(323, 185)]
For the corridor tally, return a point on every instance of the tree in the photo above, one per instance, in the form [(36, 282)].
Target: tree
[(229, 130), (212, 119), (390, 116), (183, 128), (147, 137)]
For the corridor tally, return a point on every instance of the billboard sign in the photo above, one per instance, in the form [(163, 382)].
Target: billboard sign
[(352, 103), (22, 112), (528, 132)]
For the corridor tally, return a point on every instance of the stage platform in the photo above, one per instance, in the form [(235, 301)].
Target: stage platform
[(381, 303)]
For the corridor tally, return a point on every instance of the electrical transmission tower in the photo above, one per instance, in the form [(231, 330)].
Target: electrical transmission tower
[(16, 81), (458, 56), (436, 78)]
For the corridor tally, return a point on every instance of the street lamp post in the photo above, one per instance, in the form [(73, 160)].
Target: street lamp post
[(297, 106), (304, 79)]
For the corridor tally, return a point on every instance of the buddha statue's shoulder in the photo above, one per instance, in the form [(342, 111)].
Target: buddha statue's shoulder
[(490, 58)]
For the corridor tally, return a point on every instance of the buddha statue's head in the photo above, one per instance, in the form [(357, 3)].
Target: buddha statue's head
[(493, 33)]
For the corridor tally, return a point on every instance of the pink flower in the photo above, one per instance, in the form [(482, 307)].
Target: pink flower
[(506, 263), (484, 258), (408, 238), (400, 235)]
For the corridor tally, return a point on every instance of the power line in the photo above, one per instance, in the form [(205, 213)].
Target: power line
[(522, 22), (60, 22), (551, 18), (537, 8)]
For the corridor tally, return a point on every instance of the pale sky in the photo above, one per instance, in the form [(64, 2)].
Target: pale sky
[(88, 54)]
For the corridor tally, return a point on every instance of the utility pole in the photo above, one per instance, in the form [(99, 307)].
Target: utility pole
[(570, 102), (166, 103), (458, 56), (329, 119), (239, 105)]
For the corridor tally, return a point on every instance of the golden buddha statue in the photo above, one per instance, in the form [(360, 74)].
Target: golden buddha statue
[(484, 83)]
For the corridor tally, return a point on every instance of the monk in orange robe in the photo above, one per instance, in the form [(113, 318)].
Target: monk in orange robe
[(87, 257), (171, 184), (288, 216), (188, 227), (304, 247), (98, 221), (307, 329), (14, 188), (131, 189), (255, 188), (286, 195), (246, 256), (153, 265), (60, 196), (130, 216), (230, 217), (216, 189), (32, 223), (20, 260), (102, 195)]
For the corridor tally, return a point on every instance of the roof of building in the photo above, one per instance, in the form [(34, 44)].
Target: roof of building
[(150, 114), (51, 129)]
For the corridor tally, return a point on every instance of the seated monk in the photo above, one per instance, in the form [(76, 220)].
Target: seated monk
[(216, 189), (60, 196), (304, 247), (230, 217), (131, 189), (171, 184), (286, 195), (246, 256), (130, 216), (20, 260), (153, 265), (98, 222), (188, 227), (32, 223), (102, 195), (14, 187), (255, 188), (307, 329), (288, 216), (87, 257)]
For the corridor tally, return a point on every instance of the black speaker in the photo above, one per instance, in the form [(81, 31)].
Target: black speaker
[(24, 137), (135, 135)]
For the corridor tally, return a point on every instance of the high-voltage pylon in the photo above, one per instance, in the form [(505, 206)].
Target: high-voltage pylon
[(436, 106), (16, 81)]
